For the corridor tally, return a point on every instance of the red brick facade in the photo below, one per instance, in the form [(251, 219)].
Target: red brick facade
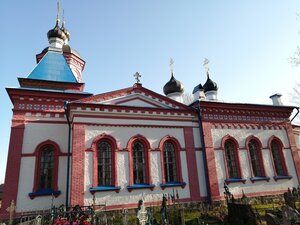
[(211, 165), (192, 163), (294, 149), (78, 159), (13, 165)]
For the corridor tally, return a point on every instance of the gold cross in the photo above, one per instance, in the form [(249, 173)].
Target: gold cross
[(11, 209)]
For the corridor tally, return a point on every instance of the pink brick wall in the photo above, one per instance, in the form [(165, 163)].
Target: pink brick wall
[(78, 158), (191, 164), (13, 166)]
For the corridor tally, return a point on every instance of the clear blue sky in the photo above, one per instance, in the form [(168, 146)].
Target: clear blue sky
[(247, 42)]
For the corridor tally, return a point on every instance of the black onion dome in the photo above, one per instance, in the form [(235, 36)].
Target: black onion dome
[(173, 86), (66, 31), (210, 85), (198, 88), (57, 32)]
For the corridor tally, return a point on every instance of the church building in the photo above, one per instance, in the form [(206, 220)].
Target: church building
[(69, 146)]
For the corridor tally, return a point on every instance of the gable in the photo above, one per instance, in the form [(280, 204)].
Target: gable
[(136, 96), (137, 100)]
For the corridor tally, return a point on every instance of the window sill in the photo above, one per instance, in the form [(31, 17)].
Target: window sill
[(105, 188), (140, 186), (172, 184), (282, 177), (235, 180), (44, 192), (254, 179)]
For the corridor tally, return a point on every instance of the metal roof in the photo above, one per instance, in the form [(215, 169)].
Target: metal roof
[(49, 90), (53, 67)]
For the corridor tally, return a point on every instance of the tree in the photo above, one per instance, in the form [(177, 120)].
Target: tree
[(187, 98), (295, 99), (295, 95), (295, 60)]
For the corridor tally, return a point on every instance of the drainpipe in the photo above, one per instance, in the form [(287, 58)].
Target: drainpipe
[(209, 200), (296, 114), (66, 104)]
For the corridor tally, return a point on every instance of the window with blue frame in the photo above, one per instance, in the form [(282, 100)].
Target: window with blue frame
[(46, 170), (104, 149)]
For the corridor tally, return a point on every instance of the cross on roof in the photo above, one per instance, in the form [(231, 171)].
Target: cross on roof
[(58, 12), (137, 77), (205, 64), (171, 65)]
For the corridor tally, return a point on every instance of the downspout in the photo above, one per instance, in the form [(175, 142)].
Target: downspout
[(296, 114), (209, 200), (66, 104), (291, 125)]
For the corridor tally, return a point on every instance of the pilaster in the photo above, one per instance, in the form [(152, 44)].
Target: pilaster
[(191, 164), (78, 162)]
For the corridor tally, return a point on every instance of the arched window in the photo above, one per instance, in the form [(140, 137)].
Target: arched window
[(46, 167), (104, 163), (231, 159), (46, 170), (104, 149), (171, 173), (139, 163), (170, 162), (255, 157), (278, 159)]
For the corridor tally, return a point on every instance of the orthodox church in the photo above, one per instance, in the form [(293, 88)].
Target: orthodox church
[(69, 146)]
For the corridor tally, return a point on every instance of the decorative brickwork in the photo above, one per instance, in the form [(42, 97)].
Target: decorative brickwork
[(191, 164), (294, 149), (78, 159), (13, 164), (211, 164)]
